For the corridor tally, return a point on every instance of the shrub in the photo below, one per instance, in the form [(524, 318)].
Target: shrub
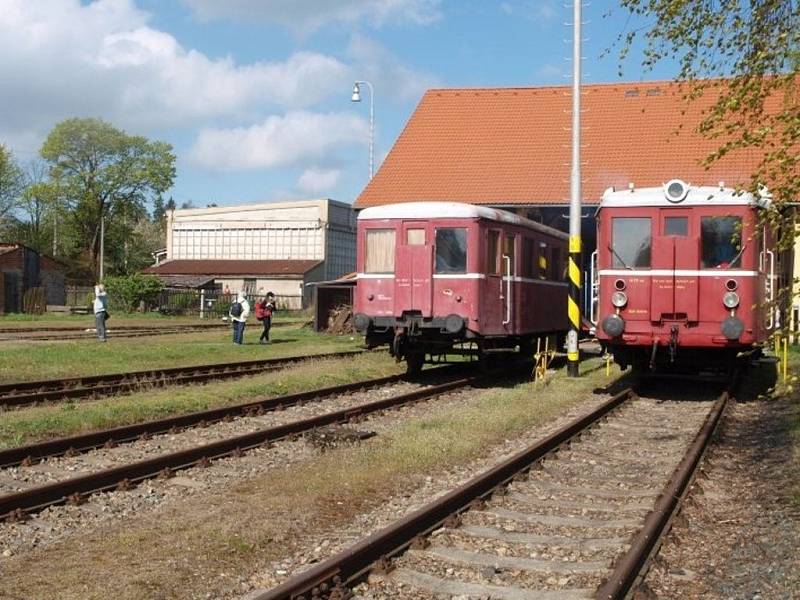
[(129, 291)]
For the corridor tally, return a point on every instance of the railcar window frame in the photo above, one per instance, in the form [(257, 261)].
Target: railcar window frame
[(633, 252), (509, 249), (464, 251), (386, 264), (493, 252), (713, 255), (529, 257)]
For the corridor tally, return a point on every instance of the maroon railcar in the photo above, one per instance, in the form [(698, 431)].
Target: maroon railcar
[(439, 278), (686, 276)]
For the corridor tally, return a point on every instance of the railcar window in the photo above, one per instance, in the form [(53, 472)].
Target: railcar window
[(492, 247), (721, 242), (379, 251), (542, 260), (508, 250), (451, 250), (676, 226), (415, 237), (528, 257), (630, 242), (556, 272)]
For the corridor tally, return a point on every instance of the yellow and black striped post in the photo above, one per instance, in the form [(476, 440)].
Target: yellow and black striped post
[(573, 305), (573, 301)]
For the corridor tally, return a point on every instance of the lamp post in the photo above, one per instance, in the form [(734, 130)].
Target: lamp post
[(356, 97)]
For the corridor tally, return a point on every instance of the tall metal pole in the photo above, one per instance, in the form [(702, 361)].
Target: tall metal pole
[(102, 244), (357, 98), (573, 302)]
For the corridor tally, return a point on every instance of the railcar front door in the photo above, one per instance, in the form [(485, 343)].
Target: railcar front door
[(675, 262), (414, 270)]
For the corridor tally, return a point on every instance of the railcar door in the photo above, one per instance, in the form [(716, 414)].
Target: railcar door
[(414, 269), (492, 300), (675, 262), (509, 267)]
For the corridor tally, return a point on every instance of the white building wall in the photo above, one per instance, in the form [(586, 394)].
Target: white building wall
[(286, 230)]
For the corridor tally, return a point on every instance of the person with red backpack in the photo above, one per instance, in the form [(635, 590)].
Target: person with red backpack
[(264, 310)]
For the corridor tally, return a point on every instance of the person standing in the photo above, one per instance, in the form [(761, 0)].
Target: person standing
[(264, 310), (100, 311), (238, 313)]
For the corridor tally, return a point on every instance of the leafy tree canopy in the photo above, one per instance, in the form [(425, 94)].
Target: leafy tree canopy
[(755, 45), (102, 172), (11, 182)]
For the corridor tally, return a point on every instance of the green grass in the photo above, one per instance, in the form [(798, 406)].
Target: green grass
[(38, 423), (44, 360), (22, 320), (268, 517)]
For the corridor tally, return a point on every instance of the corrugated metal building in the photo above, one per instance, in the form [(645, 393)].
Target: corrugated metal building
[(278, 247)]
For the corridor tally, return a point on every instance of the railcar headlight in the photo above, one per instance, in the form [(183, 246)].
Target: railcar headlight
[(730, 299), (619, 299)]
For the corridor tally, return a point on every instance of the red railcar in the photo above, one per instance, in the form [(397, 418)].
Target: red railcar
[(439, 278), (686, 276)]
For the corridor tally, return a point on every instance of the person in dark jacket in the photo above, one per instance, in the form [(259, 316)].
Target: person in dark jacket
[(264, 310)]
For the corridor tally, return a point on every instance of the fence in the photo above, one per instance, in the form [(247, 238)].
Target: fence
[(79, 295), (215, 303)]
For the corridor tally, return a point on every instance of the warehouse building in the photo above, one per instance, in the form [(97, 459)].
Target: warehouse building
[(23, 269), (278, 247)]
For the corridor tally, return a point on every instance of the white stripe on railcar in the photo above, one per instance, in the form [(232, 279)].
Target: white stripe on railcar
[(677, 273)]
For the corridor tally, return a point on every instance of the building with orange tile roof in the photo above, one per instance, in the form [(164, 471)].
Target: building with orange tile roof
[(510, 147)]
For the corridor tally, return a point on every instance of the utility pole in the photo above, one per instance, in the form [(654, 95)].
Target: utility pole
[(102, 244), (573, 302)]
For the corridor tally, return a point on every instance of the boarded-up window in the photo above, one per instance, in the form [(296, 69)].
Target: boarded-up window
[(415, 237), (379, 251), (492, 247)]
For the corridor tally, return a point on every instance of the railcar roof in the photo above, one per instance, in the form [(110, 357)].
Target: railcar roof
[(695, 196), (453, 210)]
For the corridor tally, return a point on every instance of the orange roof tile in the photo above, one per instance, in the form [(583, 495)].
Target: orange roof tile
[(512, 145)]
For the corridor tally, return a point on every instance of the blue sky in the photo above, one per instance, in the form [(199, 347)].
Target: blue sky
[(254, 95)]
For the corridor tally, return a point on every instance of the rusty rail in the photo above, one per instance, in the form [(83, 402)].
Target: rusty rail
[(29, 392), (629, 567), (348, 566), (16, 505), (86, 442)]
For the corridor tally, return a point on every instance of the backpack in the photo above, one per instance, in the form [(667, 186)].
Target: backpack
[(236, 309)]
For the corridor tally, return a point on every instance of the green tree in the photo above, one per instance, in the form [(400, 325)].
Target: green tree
[(755, 46), (39, 203), (129, 291), (103, 172), (11, 183)]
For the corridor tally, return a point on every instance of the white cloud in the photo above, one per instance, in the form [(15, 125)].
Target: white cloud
[(309, 15), (103, 59), (315, 180), (280, 141)]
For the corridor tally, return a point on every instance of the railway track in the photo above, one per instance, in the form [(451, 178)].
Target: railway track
[(81, 333), (576, 515), (18, 505), (33, 392)]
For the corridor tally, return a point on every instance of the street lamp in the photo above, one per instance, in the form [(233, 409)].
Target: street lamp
[(356, 97)]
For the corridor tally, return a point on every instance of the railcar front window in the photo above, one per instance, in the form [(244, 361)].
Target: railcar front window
[(721, 242), (379, 251), (676, 226), (451, 250), (630, 242)]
